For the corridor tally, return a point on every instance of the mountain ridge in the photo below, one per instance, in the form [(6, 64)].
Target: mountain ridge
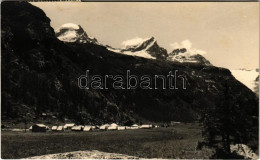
[(147, 48)]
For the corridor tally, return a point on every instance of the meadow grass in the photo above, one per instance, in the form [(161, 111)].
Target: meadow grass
[(178, 141)]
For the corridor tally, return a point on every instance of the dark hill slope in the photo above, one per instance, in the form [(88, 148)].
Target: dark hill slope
[(39, 75)]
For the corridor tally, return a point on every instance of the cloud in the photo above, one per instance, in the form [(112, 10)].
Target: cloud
[(184, 44), (188, 45), (194, 51), (133, 42)]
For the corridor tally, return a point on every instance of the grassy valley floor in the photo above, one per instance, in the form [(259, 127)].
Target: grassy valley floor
[(178, 141)]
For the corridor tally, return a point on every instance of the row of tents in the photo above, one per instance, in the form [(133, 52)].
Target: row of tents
[(74, 127)]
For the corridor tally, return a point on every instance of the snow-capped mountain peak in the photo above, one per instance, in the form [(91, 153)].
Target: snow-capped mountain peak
[(71, 32), (184, 52), (146, 47), (184, 55)]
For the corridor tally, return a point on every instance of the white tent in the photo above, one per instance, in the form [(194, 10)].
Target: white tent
[(30, 128), (146, 126), (54, 128), (113, 126), (41, 125), (60, 128), (104, 127), (69, 126), (127, 127), (134, 126), (77, 128), (121, 128), (87, 128)]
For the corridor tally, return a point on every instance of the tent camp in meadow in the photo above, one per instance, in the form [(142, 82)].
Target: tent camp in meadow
[(112, 126)]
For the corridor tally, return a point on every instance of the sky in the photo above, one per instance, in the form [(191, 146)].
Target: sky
[(227, 32)]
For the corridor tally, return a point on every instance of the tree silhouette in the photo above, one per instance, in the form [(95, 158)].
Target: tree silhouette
[(25, 115), (225, 124)]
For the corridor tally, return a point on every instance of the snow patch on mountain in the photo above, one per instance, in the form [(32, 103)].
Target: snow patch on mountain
[(70, 36), (116, 50), (139, 54), (70, 25), (143, 54), (248, 77), (138, 47), (133, 42)]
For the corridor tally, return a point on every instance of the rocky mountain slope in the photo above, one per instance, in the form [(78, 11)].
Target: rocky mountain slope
[(148, 48), (40, 73)]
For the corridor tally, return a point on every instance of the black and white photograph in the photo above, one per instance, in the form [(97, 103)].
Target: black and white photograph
[(129, 80)]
